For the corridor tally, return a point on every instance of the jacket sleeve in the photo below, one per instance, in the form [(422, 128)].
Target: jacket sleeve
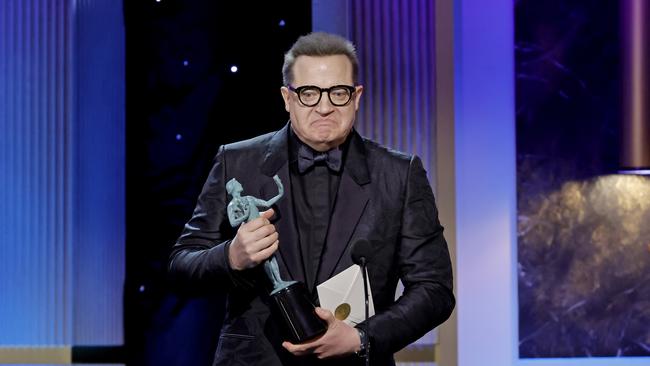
[(200, 255), (424, 267)]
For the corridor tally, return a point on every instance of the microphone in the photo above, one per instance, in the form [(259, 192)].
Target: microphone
[(361, 252)]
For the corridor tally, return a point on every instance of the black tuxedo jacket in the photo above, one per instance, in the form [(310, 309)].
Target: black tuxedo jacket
[(384, 196)]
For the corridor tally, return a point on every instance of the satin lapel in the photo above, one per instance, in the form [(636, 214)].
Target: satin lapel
[(350, 203), (288, 256)]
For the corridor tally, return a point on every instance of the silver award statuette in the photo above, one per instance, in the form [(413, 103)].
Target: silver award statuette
[(290, 298)]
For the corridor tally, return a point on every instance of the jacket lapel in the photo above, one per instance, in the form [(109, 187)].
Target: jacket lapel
[(351, 202), (276, 162)]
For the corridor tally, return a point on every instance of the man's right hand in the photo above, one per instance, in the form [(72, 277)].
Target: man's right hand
[(254, 242)]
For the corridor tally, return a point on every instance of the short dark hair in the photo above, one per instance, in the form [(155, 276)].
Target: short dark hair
[(319, 44)]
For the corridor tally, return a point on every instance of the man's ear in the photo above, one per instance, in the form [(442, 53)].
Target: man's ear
[(285, 95), (357, 96)]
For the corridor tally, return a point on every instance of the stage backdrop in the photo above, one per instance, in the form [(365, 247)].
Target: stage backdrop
[(583, 232), (61, 177)]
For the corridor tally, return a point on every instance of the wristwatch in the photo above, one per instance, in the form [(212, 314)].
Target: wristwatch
[(363, 337)]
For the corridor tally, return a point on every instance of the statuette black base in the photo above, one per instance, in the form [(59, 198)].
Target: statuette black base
[(298, 312)]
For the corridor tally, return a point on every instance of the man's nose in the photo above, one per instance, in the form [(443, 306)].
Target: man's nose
[(324, 105)]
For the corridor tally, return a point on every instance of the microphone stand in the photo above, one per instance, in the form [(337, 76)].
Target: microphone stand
[(365, 294)]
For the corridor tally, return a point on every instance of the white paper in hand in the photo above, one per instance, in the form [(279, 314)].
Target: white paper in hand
[(343, 296)]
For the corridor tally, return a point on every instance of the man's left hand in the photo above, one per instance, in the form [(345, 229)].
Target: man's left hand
[(340, 339)]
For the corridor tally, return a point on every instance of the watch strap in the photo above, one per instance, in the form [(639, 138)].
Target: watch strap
[(363, 337)]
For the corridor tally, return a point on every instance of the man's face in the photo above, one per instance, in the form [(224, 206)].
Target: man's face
[(324, 125)]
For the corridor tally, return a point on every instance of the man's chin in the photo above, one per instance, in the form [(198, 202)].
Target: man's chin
[(329, 140), (322, 138), (321, 144)]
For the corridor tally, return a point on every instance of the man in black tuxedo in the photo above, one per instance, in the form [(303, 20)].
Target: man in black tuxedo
[(341, 188)]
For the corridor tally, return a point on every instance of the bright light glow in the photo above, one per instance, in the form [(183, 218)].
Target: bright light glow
[(282, 23), (635, 171), (585, 361), (485, 183), (233, 68), (179, 136), (185, 62)]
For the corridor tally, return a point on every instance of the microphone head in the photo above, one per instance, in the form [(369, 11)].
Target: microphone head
[(361, 249)]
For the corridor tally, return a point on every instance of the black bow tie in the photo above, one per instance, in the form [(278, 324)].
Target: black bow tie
[(308, 158)]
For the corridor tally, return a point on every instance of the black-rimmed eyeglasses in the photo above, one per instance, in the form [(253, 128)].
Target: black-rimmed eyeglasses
[(310, 95)]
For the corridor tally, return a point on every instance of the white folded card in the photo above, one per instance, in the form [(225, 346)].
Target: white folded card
[(343, 296)]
